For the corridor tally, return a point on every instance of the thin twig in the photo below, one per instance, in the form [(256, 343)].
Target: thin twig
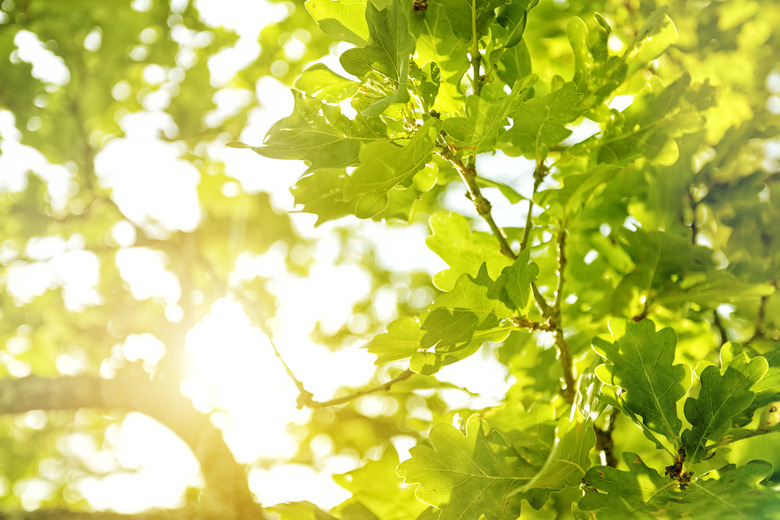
[(469, 176), (604, 442), (694, 224), (406, 374), (482, 205), (719, 325), (757, 333), (525, 323), (306, 398), (563, 348), (539, 174)]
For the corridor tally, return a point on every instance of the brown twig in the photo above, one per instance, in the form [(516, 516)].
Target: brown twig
[(525, 323), (563, 348), (604, 442), (482, 205), (406, 374), (539, 174), (757, 333), (719, 325)]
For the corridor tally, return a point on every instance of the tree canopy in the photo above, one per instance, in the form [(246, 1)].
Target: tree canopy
[(572, 204)]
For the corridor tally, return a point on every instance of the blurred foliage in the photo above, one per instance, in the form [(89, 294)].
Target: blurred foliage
[(652, 129)]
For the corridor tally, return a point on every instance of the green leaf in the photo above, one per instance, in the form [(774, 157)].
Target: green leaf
[(655, 36), (463, 250), (449, 330), (401, 340), (596, 74), (384, 165), (318, 134), (569, 458), (460, 321), (437, 44), (613, 494), (722, 397), (736, 493), (578, 189), (476, 294), (641, 363), (647, 126), (372, 484), (389, 46), (485, 120), (467, 475), (516, 279), (540, 123), (470, 17), (507, 191), (513, 16), (341, 20), (322, 193), (511, 64), (300, 511), (660, 258), (716, 288), (322, 83), (641, 492)]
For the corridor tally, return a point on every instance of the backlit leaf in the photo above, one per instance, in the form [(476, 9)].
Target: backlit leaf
[(384, 165), (722, 396), (467, 475), (540, 123), (462, 249), (318, 134), (343, 20), (484, 121), (641, 362)]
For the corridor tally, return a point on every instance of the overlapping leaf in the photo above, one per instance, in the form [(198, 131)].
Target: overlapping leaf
[(471, 17), (319, 134), (613, 494), (569, 458), (389, 46), (401, 340), (371, 485), (467, 475), (516, 279), (540, 123), (384, 165), (642, 493), (485, 120), (647, 127), (641, 362), (463, 250), (343, 20), (458, 322), (722, 397), (322, 83)]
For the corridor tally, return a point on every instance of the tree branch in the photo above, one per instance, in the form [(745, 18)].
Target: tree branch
[(226, 481), (757, 333), (406, 374), (469, 176), (563, 349), (539, 174)]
